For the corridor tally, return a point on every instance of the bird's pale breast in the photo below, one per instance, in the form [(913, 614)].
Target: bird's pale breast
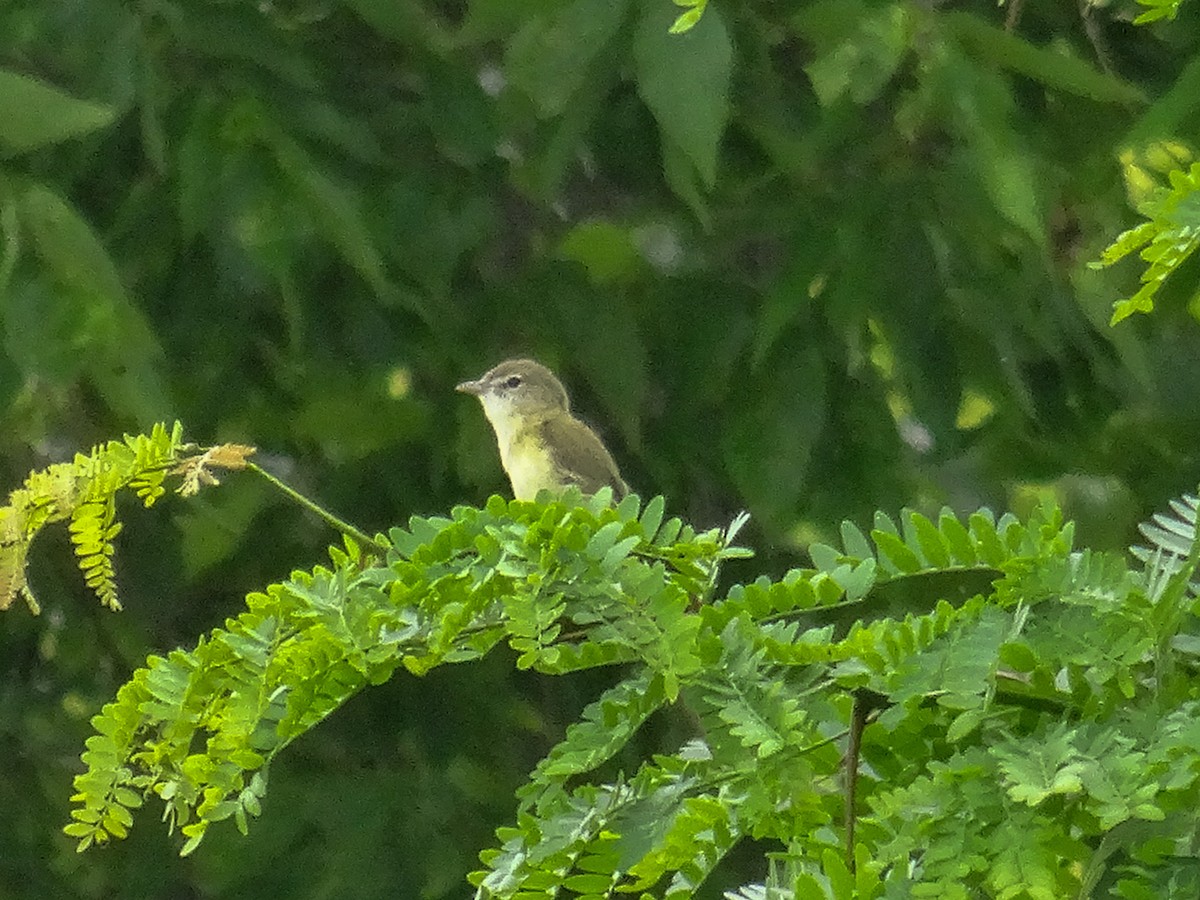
[(529, 466)]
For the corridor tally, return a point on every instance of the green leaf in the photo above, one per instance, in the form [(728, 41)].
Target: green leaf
[(860, 580), (604, 539), (612, 559), (1008, 176), (237, 33), (929, 539), (768, 446), (824, 557), (684, 180), (337, 213), (981, 110), (492, 19), (855, 542), (112, 339), (652, 517), (1156, 10), (841, 882), (965, 723), (1053, 66), (1127, 241), (403, 21), (806, 885), (957, 538), (1031, 775), (684, 79), (604, 727), (883, 522), (605, 249), (551, 57), (460, 114), (894, 552), (33, 114), (687, 20), (68, 245), (597, 884), (987, 542), (1018, 656), (861, 65)]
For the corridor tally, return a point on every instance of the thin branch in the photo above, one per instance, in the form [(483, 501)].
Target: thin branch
[(1095, 36), (858, 721), (323, 514), (1014, 16)]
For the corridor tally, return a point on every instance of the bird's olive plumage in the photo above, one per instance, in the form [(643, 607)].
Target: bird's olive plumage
[(542, 446)]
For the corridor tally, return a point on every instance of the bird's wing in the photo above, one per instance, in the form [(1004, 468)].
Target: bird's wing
[(581, 457)]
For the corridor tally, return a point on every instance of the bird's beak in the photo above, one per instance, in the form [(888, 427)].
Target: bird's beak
[(471, 387)]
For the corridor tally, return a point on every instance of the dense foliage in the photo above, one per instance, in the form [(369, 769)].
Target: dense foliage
[(855, 212), (941, 709), (812, 260)]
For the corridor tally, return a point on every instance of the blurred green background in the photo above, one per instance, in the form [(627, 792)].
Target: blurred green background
[(809, 259)]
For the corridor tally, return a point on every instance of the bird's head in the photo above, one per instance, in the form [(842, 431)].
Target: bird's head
[(518, 389)]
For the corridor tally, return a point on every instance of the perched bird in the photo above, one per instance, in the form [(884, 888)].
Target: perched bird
[(541, 444)]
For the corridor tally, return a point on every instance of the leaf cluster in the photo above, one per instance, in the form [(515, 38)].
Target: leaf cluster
[(811, 259), (84, 492), (214, 182), (567, 586), (1165, 241), (937, 708)]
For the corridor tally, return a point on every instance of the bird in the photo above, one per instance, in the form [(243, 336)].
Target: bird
[(542, 445)]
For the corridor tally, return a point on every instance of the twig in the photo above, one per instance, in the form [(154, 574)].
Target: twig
[(858, 721), (323, 514), (1095, 36), (1013, 16)]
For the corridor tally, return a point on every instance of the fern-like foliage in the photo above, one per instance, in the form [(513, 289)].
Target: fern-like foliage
[(950, 708), (977, 640), (1171, 232), (84, 493), (567, 585), (1173, 536)]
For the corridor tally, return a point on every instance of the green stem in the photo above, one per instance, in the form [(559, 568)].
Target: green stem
[(329, 518)]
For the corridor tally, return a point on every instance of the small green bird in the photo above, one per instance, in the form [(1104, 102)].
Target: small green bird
[(541, 444)]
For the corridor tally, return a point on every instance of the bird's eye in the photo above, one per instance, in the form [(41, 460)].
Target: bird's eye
[(513, 382)]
